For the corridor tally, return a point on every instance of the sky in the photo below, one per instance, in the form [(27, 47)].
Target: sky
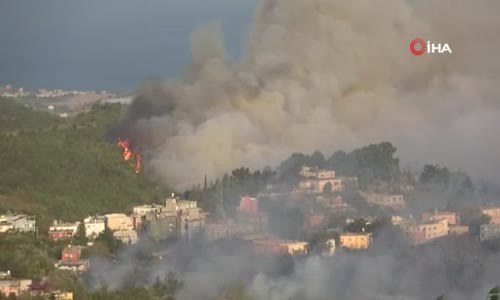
[(108, 45)]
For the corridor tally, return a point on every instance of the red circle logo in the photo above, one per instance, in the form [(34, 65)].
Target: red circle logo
[(415, 42)]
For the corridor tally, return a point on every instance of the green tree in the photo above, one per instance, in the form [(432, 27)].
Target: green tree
[(435, 175), (80, 237), (106, 237)]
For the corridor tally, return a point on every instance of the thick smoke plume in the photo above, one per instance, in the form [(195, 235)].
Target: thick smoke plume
[(328, 75), (459, 267)]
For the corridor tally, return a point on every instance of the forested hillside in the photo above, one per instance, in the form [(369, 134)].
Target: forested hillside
[(65, 168)]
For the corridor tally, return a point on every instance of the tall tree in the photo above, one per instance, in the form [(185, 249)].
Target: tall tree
[(80, 237)]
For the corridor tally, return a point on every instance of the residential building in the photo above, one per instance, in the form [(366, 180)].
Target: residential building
[(186, 204), (356, 241), (20, 223), (59, 295), (5, 226), (62, 226), (94, 226), (13, 286), (493, 213), (458, 229), (119, 222), (277, 247), (217, 231), (163, 226), (489, 232), (126, 236), (74, 266), (249, 205), (71, 253), (416, 238), (71, 259), (191, 220), (452, 217), (57, 235), (318, 181), (432, 229), (395, 201), (148, 209), (308, 172)]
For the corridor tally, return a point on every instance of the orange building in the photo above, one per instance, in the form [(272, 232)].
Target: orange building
[(356, 240)]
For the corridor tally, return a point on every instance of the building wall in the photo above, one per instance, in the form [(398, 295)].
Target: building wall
[(119, 222), (416, 237), (23, 223), (319, 174), (71, 253), (126, 236), (318, 185), (489, 231), (453, 218), (494, 213), (94, 226), (14, 286), (457, 229), (144, 210), (5, 226), (60, 235), (356, 241), (296, 248), (394, 201), (57, 226), (435, 230), (249, 205)]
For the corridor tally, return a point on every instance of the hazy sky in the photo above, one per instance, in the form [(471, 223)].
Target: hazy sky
[(107, 44)]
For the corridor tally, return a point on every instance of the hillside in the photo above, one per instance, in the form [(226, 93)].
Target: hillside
[(65, 168)]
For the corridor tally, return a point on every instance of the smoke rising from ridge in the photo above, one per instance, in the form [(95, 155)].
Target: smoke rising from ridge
[(328, 75)]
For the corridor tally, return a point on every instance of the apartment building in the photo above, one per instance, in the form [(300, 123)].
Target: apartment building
[(356, 241)]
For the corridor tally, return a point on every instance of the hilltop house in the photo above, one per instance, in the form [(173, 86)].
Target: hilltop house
[(319, 181)]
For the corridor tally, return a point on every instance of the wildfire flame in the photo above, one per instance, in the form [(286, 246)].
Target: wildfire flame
[(127, 153)]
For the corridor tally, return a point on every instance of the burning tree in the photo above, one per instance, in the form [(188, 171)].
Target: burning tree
[(128, 153)]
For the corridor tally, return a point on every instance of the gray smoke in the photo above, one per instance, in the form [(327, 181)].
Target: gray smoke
[(328, 75), (459, 267)]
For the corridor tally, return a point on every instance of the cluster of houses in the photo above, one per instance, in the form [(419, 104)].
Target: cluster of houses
[(178, 218), (12, 286), (17, 223)]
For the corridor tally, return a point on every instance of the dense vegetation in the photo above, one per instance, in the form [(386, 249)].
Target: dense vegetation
[(65, 168)]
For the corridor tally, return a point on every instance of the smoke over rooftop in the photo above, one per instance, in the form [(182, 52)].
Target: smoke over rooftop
[(324, 75)]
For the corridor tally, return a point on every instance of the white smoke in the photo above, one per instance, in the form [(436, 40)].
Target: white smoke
[(328, 75)]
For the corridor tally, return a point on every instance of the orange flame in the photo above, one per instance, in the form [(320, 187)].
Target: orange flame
[(127, 153)]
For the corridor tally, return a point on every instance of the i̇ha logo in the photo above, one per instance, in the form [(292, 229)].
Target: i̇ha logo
[(419, 47)]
